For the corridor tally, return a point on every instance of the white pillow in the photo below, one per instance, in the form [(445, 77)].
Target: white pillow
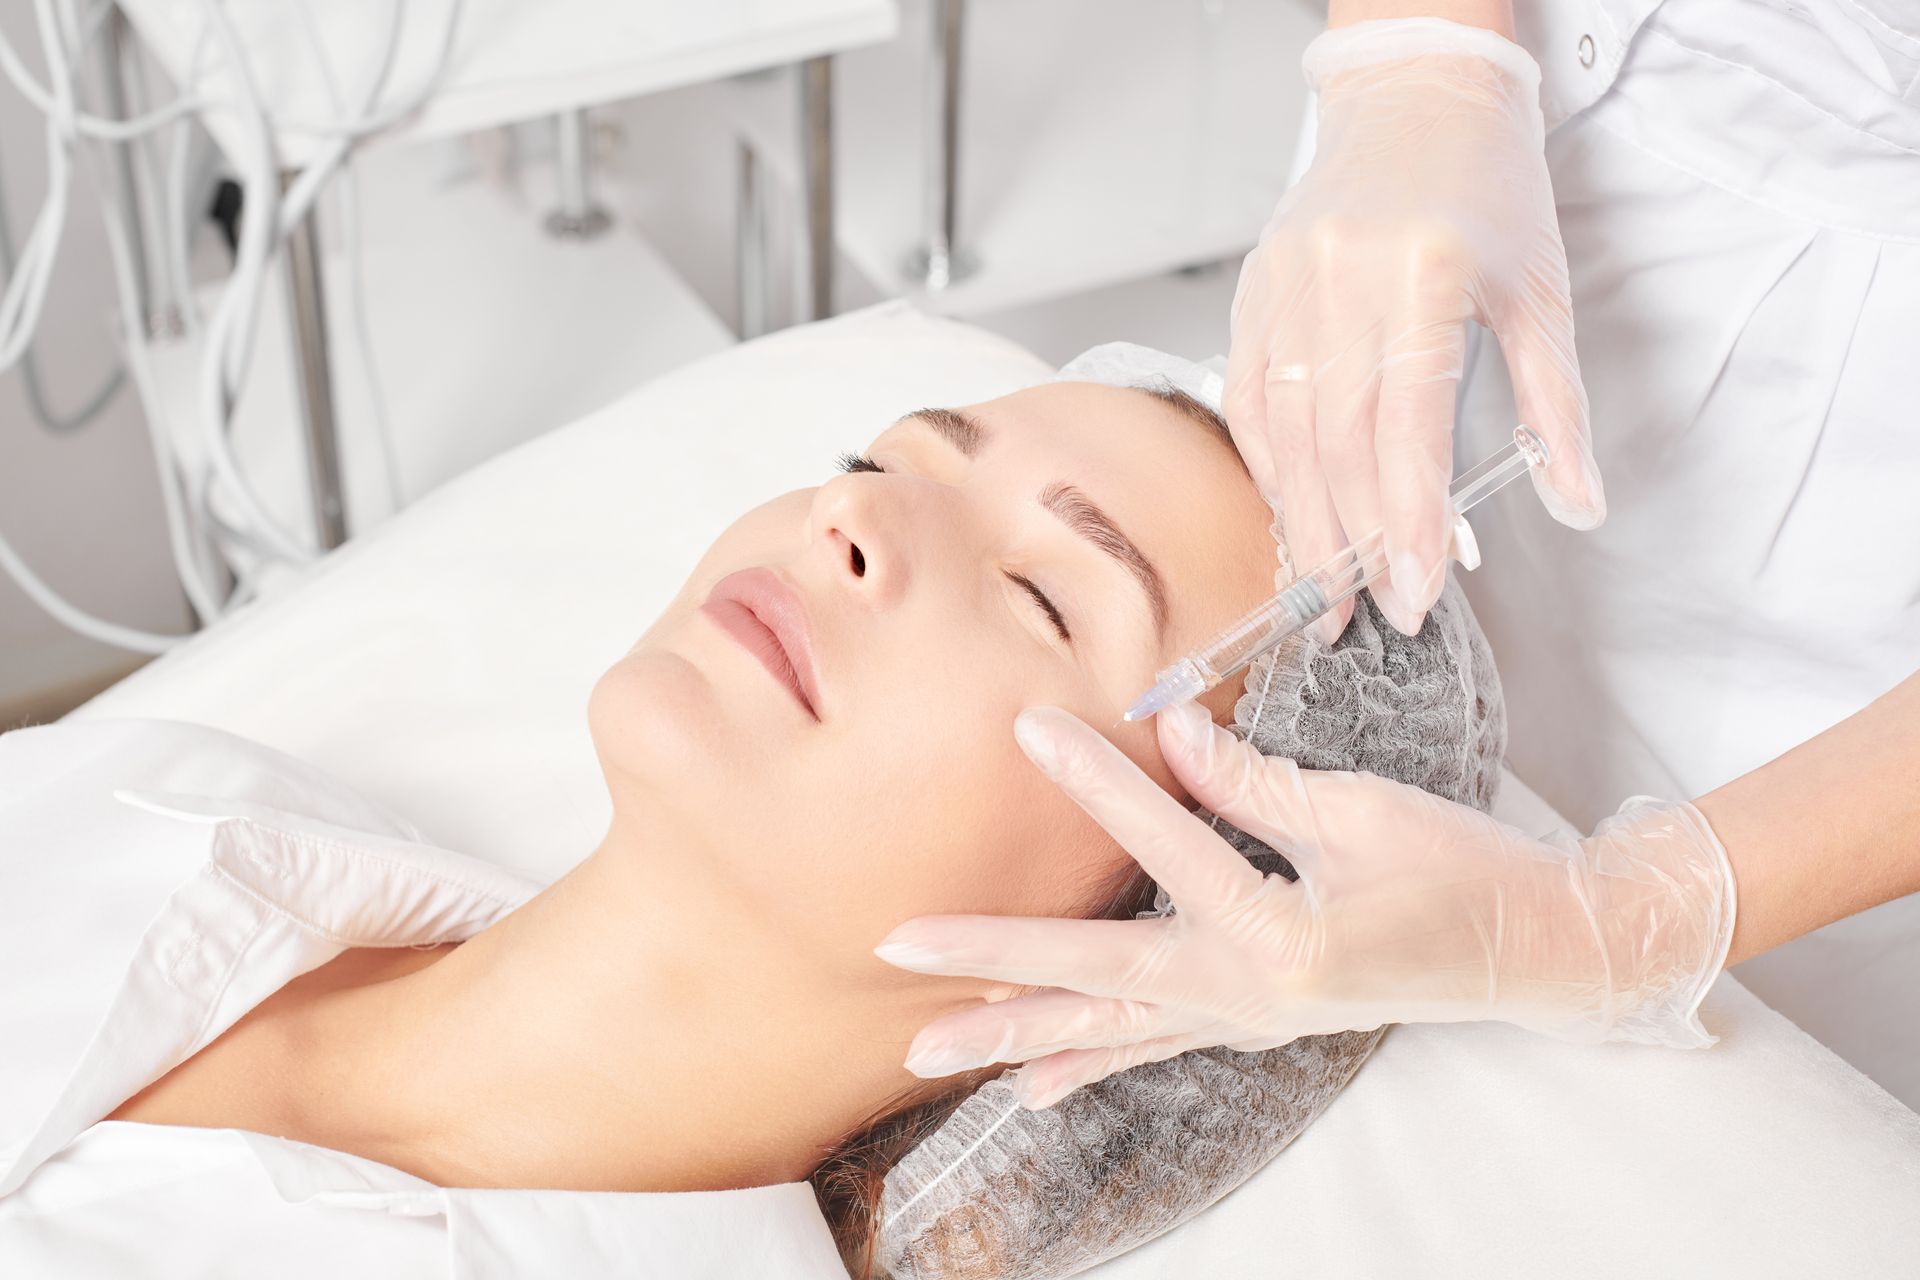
[(441, 663)]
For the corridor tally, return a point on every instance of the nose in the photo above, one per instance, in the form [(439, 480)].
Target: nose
[(858, 530)]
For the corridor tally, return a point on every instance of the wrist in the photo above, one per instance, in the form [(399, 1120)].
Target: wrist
[(1354, 47), (1660, 890), (1494, 15)]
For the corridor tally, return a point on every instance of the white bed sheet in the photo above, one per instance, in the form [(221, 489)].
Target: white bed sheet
[(441, 665)]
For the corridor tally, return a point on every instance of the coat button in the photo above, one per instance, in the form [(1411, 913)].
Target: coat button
[(1586, 51)]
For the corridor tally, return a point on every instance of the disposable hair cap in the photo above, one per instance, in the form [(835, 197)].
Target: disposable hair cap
[(1128, 364), (999, 1191)]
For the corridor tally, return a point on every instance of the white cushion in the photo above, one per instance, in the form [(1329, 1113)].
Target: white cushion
[(441, 665)]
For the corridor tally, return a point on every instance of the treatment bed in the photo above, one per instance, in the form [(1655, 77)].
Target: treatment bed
[(440, 666)]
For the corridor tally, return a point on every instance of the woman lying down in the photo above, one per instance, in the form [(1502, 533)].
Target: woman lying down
[(810, 745)]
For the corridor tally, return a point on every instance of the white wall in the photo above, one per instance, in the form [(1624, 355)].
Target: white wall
[(82, 509)]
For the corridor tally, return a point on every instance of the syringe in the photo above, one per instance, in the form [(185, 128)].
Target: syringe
[(1344, 574)]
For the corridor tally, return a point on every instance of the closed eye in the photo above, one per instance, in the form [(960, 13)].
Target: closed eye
[(852, 462), (1026, 584)]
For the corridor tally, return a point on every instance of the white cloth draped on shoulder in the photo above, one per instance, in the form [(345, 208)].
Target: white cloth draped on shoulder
[(155, 891)]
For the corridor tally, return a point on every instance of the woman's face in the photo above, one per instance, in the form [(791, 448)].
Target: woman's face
[(1056, 546)]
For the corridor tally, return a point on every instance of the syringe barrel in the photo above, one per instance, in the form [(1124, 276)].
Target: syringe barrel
[(1263, 626), (1347, 572)]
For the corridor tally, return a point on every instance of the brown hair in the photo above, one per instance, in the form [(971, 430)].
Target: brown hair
[(850, 1180)]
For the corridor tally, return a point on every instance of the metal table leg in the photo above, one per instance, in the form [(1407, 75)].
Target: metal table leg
[(750, 243), (816, 158), (940, 261), (307, 309), (579, 217)]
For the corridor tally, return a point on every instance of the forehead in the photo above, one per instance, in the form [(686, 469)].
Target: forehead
[(1169, 481)]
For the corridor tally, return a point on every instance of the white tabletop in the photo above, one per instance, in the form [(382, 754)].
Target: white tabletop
[(512, 59)]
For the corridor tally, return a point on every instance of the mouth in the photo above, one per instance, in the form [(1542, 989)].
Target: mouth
[(767, 618)]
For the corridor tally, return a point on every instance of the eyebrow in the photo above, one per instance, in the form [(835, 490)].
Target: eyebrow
[(961, 430), (1073, 508)]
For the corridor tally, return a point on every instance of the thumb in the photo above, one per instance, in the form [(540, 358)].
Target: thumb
[(1265, 796)]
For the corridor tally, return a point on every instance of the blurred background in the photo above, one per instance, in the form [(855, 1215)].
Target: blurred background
[(350, 250)]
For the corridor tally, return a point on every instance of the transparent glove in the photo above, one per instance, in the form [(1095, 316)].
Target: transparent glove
[(1427, 205), (1409, 908)]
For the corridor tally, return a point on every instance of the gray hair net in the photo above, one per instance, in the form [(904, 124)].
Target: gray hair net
[(999, 1191)]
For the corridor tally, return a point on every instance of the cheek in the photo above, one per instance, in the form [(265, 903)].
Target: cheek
[(939, 812)]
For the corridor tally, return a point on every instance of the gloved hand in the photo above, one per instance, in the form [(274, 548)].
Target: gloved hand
[(1409, 908), (1427, 205)]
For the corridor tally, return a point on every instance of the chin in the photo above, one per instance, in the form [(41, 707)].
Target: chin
[(670, 734)]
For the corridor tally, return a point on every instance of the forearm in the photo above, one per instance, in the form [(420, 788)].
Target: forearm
[(1494, 15), (1828, 829)]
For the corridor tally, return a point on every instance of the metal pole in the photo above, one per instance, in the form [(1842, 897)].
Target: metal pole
[(307, 308), (578, 217), (113, 87), (816, 153), (113, 84), (750, 243), (940, 261)]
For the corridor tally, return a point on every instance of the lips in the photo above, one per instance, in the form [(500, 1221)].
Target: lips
[(768, 619)]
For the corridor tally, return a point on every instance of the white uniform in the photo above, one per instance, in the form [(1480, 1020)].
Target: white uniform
[(137, 923), (1738, 184)]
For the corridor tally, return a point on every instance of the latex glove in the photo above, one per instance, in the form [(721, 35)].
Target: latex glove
[(1427, 205), (1408, 909)]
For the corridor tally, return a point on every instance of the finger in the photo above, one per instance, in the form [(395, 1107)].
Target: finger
[(1265, 796), (1033, 1026), (1345, 399), (1094, 957), (1552, 400), (1413, 443), (1243, 396), (1307, 516), (1043, 1082), (1200, 871), (1324, 822)]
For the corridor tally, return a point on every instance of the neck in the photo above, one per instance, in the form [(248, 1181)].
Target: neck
[(624, 1030)]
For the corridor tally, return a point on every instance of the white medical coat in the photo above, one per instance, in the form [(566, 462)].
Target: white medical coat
[(152, 890), (1738, 185)]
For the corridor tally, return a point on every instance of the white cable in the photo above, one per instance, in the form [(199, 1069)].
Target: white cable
[(76, 619), (178, 226), (91, 126), (19, 316), (269, 214), (36, 588), (373, 122), (179, 220), (348, 190), (149, 197), (186, 560), (26, 292), (231, 335), (230, 331), (39, 404)]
